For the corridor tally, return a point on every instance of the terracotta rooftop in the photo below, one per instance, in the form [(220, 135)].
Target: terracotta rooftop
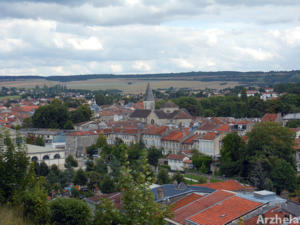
[(269, 117), (174, 136), (185, 201), (224, 128), (209, 136), (156, 130), (181, 214), (176, 156), (191, 139), (229, 185), (225, 211)]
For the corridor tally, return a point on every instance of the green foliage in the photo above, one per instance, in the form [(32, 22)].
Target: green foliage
[(232, 155), (101, 99), (154, 155), (68, 211), (293, 123), (35, 140), (201, 162), (178, 177), (202, 180), (163, 176), (93, 180), (107, 214), (56, 115), (81, 114), (107, 185), (80, 177), (13, 169), (35, 206), (138, 205), (267, 160), (283, 176), (69, 125), (71, 162)]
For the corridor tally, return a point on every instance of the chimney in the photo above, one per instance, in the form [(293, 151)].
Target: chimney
[(160, 192)]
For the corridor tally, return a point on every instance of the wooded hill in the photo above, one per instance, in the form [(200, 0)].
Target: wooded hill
[(250, 78)]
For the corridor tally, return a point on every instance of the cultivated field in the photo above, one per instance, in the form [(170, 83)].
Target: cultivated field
[(126, 85)]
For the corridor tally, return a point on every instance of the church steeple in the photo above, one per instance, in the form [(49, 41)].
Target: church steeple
[(149, 102)]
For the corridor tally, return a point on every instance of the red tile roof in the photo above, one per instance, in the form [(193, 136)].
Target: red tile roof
[(229, 185), (139, 105), (185, 201), (181, 214), (156, 130), (224, 128), (174, 136), (269, 117), (272, 213), (191, 139), (209, 136), (176, 156), (225, 211)]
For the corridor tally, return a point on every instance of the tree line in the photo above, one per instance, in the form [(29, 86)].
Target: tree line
[(56, 115), (266, 160)]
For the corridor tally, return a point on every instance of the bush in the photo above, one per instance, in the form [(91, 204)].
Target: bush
[(202, 180), (69, 211), (36, 207)]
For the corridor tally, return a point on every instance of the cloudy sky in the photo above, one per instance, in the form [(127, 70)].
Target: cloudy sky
[(46, 37)]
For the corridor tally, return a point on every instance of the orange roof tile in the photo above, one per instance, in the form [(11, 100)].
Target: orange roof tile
[(191, 139), (225, 211), (229, 185), (209, 136), (185, 201), (269, 117), (156, 130), (181, 214), (224, 127), (176, 156), (174, 136)]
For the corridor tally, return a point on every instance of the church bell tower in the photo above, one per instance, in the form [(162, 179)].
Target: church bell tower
[(149, 102)]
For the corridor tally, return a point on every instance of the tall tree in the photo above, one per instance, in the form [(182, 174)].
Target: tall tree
[(80, 177), (13, 168), (232, 155)]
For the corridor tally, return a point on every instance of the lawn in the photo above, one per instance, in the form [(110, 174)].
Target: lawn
[(10, 97)]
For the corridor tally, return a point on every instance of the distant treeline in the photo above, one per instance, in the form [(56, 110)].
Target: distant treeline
[(254, 78)]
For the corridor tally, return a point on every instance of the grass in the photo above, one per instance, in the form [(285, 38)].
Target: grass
[(136, 86), (12, 216), (10, 97), (198, 177)]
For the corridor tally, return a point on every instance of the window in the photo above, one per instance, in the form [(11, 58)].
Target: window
[(57, 156), (34, 159), (46, 157)]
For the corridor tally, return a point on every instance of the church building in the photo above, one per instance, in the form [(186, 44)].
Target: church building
[(169, 113)]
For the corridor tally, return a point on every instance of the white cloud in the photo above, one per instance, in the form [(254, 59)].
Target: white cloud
[(141, 66), (147, 36), (91, 43), (116, 68)]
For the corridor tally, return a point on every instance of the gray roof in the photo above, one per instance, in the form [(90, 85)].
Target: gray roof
[(173, 190), (148, 95), (140, 113), (177, 114), (292, 116), (169, 104)]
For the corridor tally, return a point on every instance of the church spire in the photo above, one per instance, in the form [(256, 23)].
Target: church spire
[(149, 94), (149, 102)]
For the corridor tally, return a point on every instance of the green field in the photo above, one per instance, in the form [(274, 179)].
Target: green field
[(125, 85), (10, 97)]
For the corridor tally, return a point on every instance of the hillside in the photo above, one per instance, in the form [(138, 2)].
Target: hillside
[(250, 78)]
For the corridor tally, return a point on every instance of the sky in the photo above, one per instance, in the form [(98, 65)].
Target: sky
[(57, 37)]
